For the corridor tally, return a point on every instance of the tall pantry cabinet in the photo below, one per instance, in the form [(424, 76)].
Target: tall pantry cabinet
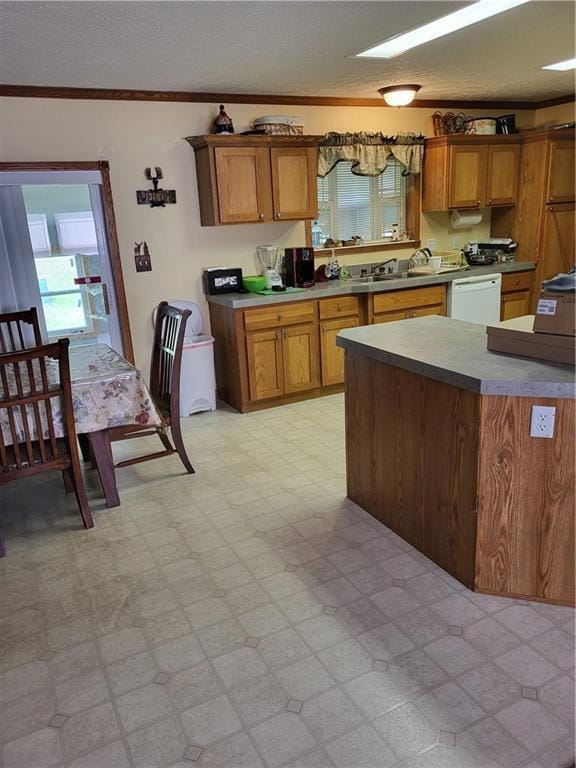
[(543, 220)]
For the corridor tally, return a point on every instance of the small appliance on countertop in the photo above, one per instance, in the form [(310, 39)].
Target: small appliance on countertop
[(490, 251), (299, 267), (218, 280), (269, 257), (503, 248)]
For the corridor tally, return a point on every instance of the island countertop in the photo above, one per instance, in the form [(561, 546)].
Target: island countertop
[(454, 352), (341, 287)]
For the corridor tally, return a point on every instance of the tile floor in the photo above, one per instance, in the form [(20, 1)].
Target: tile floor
[(251, 616)]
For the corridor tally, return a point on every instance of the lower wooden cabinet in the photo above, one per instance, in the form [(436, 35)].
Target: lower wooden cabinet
[(300, 358), (516, 296), (286, 351), (282, 361), (413, 302), (265, 368), (332, 357), (515, 305), (389, 317)]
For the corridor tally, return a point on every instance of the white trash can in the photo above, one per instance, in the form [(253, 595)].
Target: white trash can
[(197, 379)]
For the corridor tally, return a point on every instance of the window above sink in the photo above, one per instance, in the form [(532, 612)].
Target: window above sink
[(368, 206)]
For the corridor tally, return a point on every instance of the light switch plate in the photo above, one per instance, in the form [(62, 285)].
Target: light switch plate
[(542, 421)]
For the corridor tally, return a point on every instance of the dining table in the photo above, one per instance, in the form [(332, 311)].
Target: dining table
[(107, 391)]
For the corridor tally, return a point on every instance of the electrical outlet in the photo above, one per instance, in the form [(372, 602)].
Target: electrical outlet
[(456, 241), (432, 244), (542, 422)]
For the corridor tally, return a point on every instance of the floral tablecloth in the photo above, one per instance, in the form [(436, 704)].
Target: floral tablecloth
[(107, 391)]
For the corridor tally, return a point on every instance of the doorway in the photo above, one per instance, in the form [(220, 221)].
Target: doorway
[(59, 253)]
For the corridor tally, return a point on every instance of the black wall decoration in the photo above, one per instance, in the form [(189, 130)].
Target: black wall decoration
[(142, 257), (155, 198)]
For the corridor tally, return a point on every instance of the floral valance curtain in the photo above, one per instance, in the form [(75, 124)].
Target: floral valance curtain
[(369, 152)]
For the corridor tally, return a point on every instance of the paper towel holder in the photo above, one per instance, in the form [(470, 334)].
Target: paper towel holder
[(465, 219)]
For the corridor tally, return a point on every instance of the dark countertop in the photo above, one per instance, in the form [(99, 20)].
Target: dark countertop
[(340, 287), (454, 352)]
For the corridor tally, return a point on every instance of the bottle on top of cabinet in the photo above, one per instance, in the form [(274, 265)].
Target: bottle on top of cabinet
[(222, 123)]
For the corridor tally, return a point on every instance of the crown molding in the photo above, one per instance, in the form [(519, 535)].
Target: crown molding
[(112, 94), (555, 102)]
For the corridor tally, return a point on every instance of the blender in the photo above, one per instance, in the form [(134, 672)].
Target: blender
[(269, 257)]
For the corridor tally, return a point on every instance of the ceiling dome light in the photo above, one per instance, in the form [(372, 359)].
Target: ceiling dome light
[(399, 95)]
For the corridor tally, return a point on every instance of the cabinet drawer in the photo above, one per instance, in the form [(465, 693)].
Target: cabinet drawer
[(408, 314), (416, 297), (279, 315), (338, 307), (516, 281)]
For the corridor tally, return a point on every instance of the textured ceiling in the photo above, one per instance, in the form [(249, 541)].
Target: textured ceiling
[(279, 47)]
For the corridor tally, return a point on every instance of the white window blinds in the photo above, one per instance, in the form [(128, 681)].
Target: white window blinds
[(369, 206)]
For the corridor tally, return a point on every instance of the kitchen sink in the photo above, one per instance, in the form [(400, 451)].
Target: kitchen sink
[(378, 278)]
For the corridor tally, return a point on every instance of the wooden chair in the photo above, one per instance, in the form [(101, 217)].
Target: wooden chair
[(28, 441), (165, 369), (14, 333)]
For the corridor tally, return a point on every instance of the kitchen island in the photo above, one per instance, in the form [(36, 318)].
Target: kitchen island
[(438, 449)]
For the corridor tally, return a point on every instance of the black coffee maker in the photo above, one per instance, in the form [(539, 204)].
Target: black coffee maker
[(299, 267)]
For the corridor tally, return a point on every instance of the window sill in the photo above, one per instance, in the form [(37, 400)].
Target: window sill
[(369, 248)]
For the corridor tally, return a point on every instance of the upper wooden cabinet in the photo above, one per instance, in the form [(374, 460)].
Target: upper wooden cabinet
[(561, 172), (242, 184), (294, 171), (470, 172), (502, 174), (543, 220), (244, 179), (467, 176)]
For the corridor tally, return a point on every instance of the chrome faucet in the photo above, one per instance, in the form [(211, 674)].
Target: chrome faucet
[(382, 264)]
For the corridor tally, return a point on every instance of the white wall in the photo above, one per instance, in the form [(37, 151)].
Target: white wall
[(563, 113), (133, 135)]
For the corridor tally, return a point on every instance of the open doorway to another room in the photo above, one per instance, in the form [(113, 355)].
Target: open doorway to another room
[(59, 252)]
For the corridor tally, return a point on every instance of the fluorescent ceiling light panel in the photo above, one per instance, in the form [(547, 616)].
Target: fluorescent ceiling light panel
[(471, 14), (562, 66)]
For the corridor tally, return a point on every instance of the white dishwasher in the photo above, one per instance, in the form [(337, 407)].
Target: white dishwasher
[(475, 299)]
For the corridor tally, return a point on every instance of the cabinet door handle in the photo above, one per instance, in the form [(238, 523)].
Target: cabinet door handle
[(478, 203), (278, 215), (340, 308), (488, 201), (284, 334), (323, 328), (279, 317), (550, 199), (261, 215)]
